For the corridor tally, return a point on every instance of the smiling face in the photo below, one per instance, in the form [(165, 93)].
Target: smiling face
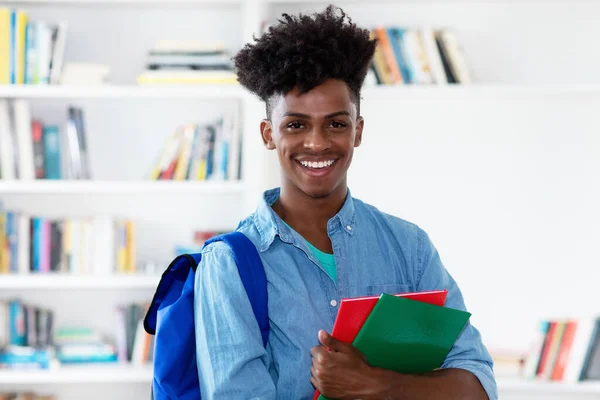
[(314, 135)]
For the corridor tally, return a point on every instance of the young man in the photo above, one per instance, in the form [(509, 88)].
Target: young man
[(318, 244)]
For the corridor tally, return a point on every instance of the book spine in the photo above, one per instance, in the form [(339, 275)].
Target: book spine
[(12, 241), (24, 259), (52, 157), (4, 257), (38, 149), (21, 30), (563, 353), (5, 43), (45, 259), (31, 54), (36, 244), (13, 46)]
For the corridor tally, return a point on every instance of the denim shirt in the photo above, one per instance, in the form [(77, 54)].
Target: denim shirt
[(374, 252)]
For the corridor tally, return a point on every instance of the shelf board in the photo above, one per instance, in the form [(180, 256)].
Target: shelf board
[(237, 92), (207, 92), (119, 187), (521, 386), (65, 281), (386, 92), (93, 373), (117, 2)]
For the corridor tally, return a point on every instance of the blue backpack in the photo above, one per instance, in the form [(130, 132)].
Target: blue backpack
[(170, 317)]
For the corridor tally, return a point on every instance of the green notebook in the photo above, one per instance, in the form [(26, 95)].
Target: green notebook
[(408, 336)]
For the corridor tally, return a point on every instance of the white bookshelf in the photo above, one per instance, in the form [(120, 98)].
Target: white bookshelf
[(236, 92), (540, 388), (80, 374), (198, 92), (74, 187), (52, 281)]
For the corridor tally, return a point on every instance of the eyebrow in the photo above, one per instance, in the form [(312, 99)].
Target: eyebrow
[(300, 115)]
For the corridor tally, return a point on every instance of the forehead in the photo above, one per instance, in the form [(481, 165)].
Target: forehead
[(329, 97)]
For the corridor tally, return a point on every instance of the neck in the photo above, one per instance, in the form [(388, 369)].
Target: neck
[(301, 210)]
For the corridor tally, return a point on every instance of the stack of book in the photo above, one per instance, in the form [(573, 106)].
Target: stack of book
[(30, 149), (25, 325), (408, 333), (417, 56), (565, 350), (29, 341), (31, 52), (95, 245), (201, 152), (175, 62)]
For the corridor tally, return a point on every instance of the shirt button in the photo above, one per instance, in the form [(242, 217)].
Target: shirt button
[(333, 303), (348, 227)]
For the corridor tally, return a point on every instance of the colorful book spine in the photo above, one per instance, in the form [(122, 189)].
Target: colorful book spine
[(52, 155), (36, 244), (5, 46), (45, 256)]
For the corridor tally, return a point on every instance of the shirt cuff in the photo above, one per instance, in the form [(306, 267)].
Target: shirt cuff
[(483, 373)]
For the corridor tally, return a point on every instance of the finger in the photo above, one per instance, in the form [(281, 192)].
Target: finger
[(315, 383), (329, 341), (315, 350)]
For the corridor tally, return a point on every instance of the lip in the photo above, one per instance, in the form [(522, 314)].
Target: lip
[(316, 172)]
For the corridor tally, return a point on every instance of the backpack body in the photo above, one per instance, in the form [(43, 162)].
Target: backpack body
[(170, 317)]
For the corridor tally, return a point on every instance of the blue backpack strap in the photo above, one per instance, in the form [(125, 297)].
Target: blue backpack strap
[(169, 287), (252, 274)]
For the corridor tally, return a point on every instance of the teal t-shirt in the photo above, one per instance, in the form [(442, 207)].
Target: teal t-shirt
[(326, 260)]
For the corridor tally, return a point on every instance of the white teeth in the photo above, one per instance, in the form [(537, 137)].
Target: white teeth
[(317, 164)]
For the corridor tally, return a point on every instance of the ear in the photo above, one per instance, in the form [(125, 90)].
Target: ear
[(266, 131), (359, 130)]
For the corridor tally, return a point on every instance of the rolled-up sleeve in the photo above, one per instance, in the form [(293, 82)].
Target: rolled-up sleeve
[(232, 362), (468, 352)]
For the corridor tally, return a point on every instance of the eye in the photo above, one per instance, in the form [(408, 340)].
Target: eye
[(295, 125), (338, 125)]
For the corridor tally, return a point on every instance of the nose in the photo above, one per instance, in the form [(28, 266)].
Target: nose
[(317, 140)]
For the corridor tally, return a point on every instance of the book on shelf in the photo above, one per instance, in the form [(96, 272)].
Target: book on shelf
[(565, 350), (26, 333), (95, 245), (29, 340), (417, 56), (31, 52), (187, 62), (202, 152), (31, 149)]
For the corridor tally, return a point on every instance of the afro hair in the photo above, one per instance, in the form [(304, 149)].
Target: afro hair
[(305, 51)]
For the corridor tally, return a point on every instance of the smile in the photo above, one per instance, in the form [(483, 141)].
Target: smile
[(317, 164)]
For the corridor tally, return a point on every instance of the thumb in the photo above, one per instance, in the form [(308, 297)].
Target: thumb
[(329, 341)]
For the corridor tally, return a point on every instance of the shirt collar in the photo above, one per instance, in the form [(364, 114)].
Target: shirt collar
[(269, 224)]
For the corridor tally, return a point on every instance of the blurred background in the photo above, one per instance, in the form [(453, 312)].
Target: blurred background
[(125, 140)]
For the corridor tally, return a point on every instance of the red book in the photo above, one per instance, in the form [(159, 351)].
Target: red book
[(354, 312), (563, 354)]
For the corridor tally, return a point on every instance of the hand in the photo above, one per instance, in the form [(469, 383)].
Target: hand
[(338, 369)]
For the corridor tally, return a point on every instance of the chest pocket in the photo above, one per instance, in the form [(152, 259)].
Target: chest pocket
[(390, 288)]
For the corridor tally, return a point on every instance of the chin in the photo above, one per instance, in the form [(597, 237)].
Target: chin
[(318, 192)]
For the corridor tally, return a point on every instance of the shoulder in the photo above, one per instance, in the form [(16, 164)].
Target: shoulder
[(221, 249), (368, 213)]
